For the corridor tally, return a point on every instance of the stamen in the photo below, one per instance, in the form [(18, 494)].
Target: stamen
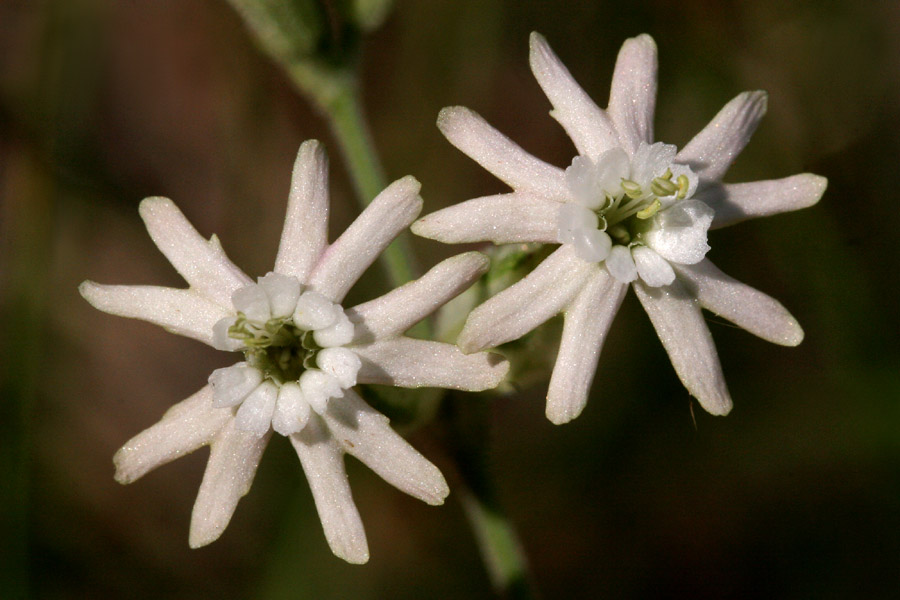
[(632, 188), (649, 211), (663, 187), (683, 185)]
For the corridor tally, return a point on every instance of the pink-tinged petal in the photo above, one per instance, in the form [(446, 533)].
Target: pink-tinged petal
[(185, 427), (589, 127), (678, 321), (366, 434), (323, 462), (744, 306), (233, 458), (305, 232), (466, 130), (201, 262), (395, 312), (351, 254), (518, 309), (587, 322), (632, 98), (713, 150), (184, 312), (736, 202), (410, 363), (502, 219)]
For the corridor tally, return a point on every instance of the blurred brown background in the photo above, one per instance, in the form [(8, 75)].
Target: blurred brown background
[(795, 495)]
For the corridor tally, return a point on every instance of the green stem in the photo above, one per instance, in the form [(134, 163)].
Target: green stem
[(468, 425)]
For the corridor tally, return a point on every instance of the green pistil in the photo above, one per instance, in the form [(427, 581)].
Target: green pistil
[(277, 347)]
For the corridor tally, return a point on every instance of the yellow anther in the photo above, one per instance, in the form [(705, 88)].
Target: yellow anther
[(651, 210), (663, 187), (683, 185), (632, 189)]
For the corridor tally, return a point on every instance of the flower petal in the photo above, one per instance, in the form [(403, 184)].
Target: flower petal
[(521, 171), (587, 322), (502, 219), (395, 312), (713, 150), (233, 458), (620, 264), (184, 312), (736, 202), (679, 323), (305, 232), (185, 427), (291, 410), (678, 234), (589, 127), (366, 434), (653, 268), (744, 306), (255, 412), (351, 254), (323, 462), (632, 98), (201, 262), (411, 363), (518, 309), (232, 384)]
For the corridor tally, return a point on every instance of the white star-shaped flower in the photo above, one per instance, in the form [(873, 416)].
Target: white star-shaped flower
[(303, 354), (627, 210)]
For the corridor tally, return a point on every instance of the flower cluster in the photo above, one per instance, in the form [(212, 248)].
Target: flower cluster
[(628, 211)]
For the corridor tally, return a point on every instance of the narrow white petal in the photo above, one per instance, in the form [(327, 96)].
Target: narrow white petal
[(323, 463), (587, 322), (291, 410), (188, 425), (366, 434), (502, 219), (233, 458), (395, 312), (587, 124), (255, 413), (232, 384), (653, 268), (632, 98), (521, 171), (518, 309), (410, 363), (184, 312), (678, 321), (341, 363), (736, 202), (744, 306), (305, 232), (283, 292), (351, 254), (201, 262), (713, 150)]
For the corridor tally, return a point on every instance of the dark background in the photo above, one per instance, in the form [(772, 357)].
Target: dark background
[(795, 495)]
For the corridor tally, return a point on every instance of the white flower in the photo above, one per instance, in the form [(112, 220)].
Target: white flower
[(303, 353), (627, 210)]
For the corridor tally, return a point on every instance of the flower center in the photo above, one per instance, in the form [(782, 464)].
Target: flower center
[(294, 355), (278, 348)]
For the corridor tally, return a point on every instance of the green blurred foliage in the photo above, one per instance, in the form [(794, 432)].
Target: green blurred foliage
[(794, 495)]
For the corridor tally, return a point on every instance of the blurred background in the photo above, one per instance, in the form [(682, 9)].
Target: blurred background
[(795, 495)]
